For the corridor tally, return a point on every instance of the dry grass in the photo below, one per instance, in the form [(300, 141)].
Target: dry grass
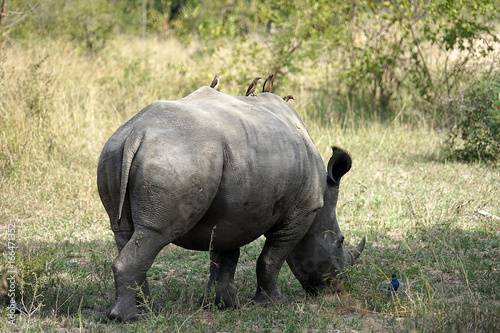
[(57, 109)]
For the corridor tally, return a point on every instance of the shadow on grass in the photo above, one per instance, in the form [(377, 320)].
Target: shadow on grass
[(64, 278), (449, 279)]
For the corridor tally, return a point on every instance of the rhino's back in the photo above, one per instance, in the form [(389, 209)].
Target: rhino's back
[(249, 158)]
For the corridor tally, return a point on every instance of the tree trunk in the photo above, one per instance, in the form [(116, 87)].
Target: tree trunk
[(144, 19)]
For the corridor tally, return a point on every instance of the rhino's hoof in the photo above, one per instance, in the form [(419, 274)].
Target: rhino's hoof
[(133, 314), (226, 302), (225, 296), (264, 299)]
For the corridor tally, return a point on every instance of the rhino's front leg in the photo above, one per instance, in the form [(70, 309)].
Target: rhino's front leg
[(269, 264), (222, 270), (129, 269), (280, 241)]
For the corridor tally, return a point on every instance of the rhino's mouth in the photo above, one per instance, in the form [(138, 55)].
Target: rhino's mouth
[(333, 284)]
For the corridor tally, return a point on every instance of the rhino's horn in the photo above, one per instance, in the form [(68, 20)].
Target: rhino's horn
[(352, 255)]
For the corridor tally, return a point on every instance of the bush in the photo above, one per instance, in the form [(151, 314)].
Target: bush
[(477, 136)]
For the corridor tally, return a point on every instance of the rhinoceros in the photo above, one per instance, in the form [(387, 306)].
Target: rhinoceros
[(213, 172)]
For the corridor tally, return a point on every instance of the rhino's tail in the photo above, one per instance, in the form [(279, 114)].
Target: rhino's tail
[(130, 148)]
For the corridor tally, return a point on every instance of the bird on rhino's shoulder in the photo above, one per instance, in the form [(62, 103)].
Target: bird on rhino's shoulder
[(215, 81), (268, 83), (252, 86), (288, 97)]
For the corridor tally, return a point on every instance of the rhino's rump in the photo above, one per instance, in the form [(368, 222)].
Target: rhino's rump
[(243, 165)]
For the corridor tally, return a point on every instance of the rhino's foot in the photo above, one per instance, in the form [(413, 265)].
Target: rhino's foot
[(223, 299), (125, 313), (228, 297), (267, 299), (221, 281)]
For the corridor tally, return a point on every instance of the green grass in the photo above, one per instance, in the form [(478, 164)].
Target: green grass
[(57, 109)]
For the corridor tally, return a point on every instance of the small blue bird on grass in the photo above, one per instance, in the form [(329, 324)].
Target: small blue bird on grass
[(15, 308), (394, 285), (19, 310)]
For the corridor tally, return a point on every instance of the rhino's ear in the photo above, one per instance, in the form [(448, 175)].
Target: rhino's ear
[(339, 165)]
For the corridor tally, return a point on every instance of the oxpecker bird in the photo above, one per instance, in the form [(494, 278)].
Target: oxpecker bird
[(215, 81), (252, 86), (288, 97), (268, 83)]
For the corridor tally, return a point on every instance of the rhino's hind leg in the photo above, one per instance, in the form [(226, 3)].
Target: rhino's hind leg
[(222, 270), (129, 269), (122, 237)]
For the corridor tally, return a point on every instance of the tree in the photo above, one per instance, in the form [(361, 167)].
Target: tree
[(382, 48), (9, 19)]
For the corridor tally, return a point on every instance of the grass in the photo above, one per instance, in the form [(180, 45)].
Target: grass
[(57, 109)]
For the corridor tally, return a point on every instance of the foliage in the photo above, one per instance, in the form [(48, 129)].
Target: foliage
[(395, 54), (385, 48), (88, 23), (479, 128), (213, 19)]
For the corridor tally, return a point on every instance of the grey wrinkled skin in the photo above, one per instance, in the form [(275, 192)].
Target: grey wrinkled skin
[(244, 165)]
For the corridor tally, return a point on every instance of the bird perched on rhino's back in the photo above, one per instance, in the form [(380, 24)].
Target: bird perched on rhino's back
[(215, 81), (252, 86), (288, 97), (268, 83)]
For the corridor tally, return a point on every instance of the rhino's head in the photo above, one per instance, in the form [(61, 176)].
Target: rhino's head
[(319, 259)]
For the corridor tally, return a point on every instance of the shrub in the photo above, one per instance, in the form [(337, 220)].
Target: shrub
[(477, 136)]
